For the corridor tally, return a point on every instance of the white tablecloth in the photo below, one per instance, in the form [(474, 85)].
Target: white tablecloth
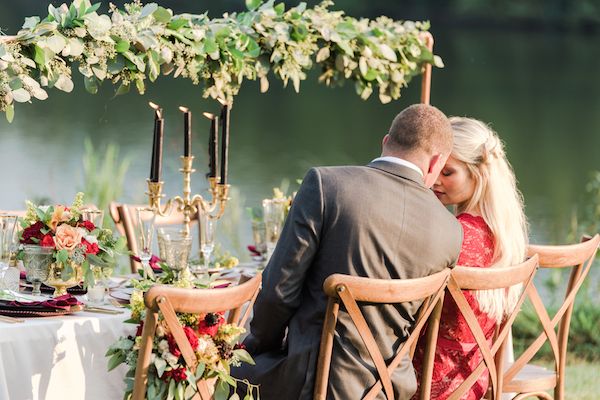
[(61, 358)]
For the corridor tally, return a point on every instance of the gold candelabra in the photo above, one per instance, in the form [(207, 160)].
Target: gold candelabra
[(189, 205)]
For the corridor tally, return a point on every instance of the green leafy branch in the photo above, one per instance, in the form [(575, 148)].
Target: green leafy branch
[(142, 42)]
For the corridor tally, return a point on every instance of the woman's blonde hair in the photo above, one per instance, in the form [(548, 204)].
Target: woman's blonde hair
[(497, 199)]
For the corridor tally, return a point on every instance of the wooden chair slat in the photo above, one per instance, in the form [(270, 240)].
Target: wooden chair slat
[(579, 257), (169, 301), (388, 292), (476, 278)]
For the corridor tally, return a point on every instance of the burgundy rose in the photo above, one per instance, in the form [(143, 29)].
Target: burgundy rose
[(191, 336), (177, 374), (47, 241), (210, 324), (140, 327), (88, 225), (33, 232), (173, 348), (90, 248)]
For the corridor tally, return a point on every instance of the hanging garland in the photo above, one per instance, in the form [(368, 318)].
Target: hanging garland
[(145, 41)]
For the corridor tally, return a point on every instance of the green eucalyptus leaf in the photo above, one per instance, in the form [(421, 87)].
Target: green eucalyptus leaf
[(221, 390), (162, 14), (123, 89), (279, 9), (244, 356), (10, 112), (21, 95), (387, 52), (31, 22), (115, 361), (92, 8), (91, 84), (122, 46), (64, 83), (253, 4), (148, 9), (39, 55), (177, 23)]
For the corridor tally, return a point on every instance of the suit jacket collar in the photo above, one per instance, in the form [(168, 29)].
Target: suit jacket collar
[(398, 170)]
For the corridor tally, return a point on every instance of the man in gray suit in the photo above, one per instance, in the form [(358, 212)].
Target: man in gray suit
[(378, 221)]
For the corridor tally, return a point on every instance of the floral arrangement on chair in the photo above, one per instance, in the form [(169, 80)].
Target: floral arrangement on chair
[(73, 240), (215, 344)]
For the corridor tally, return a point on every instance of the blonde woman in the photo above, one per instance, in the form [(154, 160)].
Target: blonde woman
[(479, 182)]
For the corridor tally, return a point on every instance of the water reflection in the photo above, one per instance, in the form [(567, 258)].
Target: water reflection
[(536, 89)]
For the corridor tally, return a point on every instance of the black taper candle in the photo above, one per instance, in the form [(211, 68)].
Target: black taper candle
[(159, 147), (153, 160), (212, 144), (187, 131), (224, 142)]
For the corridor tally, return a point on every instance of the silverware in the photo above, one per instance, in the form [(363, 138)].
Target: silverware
[(10, 320), (101, 310), (115, 303)]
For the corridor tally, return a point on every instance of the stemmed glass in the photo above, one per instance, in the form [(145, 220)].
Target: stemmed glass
[(208, 227), (273, 211), (7, 241), (37, 260), (93, 215), (177, 248), (145, 234)]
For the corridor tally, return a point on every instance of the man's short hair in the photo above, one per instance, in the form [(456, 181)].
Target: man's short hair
[(421, 127)]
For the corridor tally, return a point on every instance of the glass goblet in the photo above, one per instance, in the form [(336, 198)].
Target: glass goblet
[(145, 234), (259, 237), (208, 228), (7, 241), (177, 252), (37, 260), (93, 215)]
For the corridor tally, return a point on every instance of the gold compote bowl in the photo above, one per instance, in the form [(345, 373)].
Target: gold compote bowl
[(61, 277)]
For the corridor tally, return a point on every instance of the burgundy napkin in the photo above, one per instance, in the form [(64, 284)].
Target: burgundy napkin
[(153, 262), (253, 250), (63, 302)]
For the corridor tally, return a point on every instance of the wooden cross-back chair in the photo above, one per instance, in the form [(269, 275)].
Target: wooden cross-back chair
[(348, 291), (530, 380), (468, 278), (170, 300), (124, 218)]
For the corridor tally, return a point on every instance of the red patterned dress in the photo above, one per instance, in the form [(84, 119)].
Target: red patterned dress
[(457, 354)]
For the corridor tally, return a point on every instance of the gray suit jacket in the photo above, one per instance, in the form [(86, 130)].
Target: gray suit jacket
[(377, 221)]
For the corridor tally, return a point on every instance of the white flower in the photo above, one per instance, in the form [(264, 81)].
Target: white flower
[(163, 346), (171, 359), (160, 331), (91, 239)]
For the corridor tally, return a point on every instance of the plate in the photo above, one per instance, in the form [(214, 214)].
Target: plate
[(122, 295), (35, 313)]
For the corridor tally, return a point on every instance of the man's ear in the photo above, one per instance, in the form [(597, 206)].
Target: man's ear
[(385, 139), (436, 163), (433, 163)]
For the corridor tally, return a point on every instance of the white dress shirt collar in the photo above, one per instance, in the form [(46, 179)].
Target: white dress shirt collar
[(399, 161)]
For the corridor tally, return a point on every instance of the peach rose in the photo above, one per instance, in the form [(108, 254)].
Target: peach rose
[(67, 237), (59, 215)]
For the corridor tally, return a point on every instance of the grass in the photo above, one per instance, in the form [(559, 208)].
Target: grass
[(583, 380)]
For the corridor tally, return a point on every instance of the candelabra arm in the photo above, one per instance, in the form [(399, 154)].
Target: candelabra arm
[(154, 196)]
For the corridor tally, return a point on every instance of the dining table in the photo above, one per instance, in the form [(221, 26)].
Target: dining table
[(62, 357)]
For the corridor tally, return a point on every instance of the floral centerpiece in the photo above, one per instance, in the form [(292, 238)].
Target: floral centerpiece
[(214, 342), (76, 243)]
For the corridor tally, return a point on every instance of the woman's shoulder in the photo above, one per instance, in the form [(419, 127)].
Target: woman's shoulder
[(478, 241)]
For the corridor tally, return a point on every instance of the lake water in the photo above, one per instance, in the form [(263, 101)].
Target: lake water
[(539, 91)]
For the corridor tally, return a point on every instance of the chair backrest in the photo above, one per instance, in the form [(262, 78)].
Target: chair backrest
[(579, 257), (169, 301), (469, 278), (124, 218), (348, 290)]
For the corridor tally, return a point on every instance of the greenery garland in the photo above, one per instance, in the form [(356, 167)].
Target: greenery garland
[(145, 41)]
